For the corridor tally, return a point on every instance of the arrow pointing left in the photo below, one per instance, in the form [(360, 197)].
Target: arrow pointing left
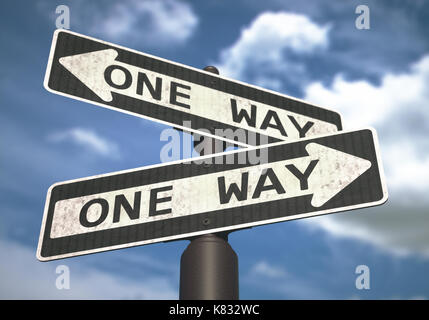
[(90, 67)]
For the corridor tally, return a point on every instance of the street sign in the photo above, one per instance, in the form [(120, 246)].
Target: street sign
[(177, 200), (136, 83)]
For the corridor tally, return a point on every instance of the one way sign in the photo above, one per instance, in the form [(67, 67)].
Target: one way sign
[(132, 82), (310, 177)]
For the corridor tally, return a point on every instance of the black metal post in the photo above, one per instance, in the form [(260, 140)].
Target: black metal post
[(209, 266), (209, 269)]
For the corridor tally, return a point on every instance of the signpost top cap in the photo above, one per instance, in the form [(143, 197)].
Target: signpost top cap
[(211, 69)]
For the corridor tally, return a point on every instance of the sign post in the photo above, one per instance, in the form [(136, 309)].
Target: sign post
[(209, 269), (209, 265), (311, 167)]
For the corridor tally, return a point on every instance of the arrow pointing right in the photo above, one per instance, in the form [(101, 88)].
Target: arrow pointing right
[(324, 173), (334, 171), (304, 179)]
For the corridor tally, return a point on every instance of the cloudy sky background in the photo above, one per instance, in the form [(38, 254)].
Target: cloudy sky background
[(308, 49)]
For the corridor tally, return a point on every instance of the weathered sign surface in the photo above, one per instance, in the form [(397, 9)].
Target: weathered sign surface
[(178, 200), (136, 83)]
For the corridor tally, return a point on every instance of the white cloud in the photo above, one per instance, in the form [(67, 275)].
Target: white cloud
[(23, 277), (265, 41), (87, 139), (401, 231), (398, 108), (151, 22), (363, 103), (276, 279), (418, 298), (146, 23), (262, 268), (407, 166), (391, 106)]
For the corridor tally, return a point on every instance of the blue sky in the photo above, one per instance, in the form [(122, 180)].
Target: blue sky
[(308, 49)]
